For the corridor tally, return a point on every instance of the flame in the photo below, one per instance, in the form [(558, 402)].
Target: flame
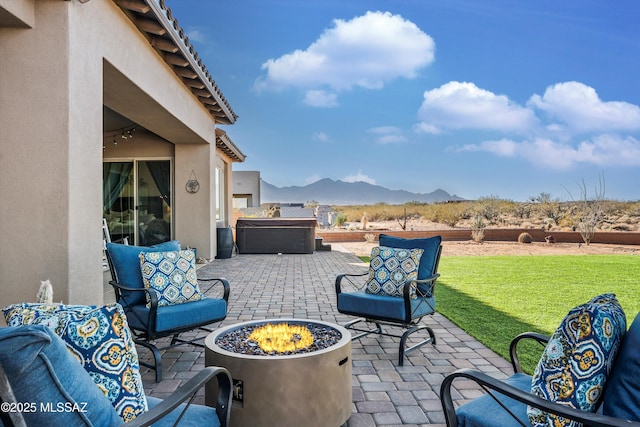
[(282, 337)]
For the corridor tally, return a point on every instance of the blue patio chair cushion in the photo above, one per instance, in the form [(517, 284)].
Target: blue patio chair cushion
[(383, 307), (430, 247), (126, 262), (622, 394), (43, 372), (101, 342), (195, 416), (390, 269), (485, 411), (180, 316), (172, 274), (575, 363)]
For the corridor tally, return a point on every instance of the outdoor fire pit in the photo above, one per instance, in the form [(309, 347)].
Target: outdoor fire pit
[(286, 372)]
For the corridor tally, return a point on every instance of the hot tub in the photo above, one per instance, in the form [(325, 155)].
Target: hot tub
[(276, 235)]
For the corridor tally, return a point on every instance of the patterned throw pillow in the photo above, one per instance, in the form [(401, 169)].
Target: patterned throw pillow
[(390, 269), (575, 363), (99, 337), (172, 274)]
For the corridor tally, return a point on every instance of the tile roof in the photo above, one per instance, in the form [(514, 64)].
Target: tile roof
[(155, 20)]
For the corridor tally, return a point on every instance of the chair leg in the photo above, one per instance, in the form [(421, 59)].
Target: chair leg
[(405, 335), (157, 359), (363, 332)]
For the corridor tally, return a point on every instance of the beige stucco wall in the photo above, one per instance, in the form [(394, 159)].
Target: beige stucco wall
[(54, 80)]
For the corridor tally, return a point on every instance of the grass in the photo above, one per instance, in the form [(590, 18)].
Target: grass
[(494, 298)]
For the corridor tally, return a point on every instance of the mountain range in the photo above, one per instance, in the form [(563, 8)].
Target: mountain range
[(335, 192)]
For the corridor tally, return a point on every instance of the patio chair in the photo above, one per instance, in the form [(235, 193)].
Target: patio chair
[(397, 292), (562, 392), (43, 383), (152, 314)]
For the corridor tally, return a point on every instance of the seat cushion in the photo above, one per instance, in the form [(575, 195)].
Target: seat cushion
[(44, 375), (181, 316), (172, 275), (575, 363), (382, 307), (391, 269), (622, 394), (196, 416), (430, 247), (100, 340), (126, 263), (486, 412)]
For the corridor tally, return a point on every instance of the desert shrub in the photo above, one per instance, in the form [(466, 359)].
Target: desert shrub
[(525, 238), (447, 213), (477, 230), (370, 237), (340, 220)]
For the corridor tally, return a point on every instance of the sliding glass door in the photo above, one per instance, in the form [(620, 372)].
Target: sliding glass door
[(137, 200)]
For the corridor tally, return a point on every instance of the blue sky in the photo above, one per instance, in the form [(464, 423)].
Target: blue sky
[(505, 98)]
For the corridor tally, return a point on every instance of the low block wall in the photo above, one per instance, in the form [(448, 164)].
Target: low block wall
[(490, 234)]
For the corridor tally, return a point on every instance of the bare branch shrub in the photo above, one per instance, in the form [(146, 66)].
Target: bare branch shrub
[(590, 212)]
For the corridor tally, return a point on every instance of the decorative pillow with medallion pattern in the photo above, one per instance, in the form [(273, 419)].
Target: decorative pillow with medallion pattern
[(390, 269), (100, 339), (575, 364), (172, 274)]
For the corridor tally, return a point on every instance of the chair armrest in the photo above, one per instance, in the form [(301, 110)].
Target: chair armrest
[(513, 348), (340, 277), (153, 294), (218, 281), (153, 301), (187, 392), (431, 280), (489, 383)]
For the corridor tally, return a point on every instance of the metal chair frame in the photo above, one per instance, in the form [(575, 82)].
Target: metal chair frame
[(411, 322), (145, 336)]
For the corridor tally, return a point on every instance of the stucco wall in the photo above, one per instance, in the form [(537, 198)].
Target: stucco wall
[(55, 78)]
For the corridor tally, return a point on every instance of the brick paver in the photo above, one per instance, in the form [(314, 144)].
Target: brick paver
[(302, 286)]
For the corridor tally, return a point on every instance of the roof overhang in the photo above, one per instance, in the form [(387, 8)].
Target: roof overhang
[(156, 22), (224, 143)]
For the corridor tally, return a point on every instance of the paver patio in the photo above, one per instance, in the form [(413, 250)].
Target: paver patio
[(302, 286)]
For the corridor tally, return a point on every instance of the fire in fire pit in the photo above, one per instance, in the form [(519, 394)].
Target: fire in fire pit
[(279, 338), (286, 372)]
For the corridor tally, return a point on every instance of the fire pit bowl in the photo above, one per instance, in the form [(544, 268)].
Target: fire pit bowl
[(308, 387)]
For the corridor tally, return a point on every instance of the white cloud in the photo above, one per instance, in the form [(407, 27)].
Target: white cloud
[(503, 147), (359, 177), (581, 109), (388, 135), (367, 51), (423, 127), (196, 35), (320, 98), (602, 150), (463, 105), (321, 137)]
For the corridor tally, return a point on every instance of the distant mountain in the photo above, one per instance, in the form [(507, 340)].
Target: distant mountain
[(330, 192)]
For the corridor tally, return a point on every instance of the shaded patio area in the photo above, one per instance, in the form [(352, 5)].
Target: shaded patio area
[(302, 286)]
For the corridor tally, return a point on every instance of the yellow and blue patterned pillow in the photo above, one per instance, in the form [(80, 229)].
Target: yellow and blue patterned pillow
[(575, 364), (390, 269), (172, 274), (100, 339)]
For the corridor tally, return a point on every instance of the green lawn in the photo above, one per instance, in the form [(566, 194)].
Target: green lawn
[(494, 298)]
